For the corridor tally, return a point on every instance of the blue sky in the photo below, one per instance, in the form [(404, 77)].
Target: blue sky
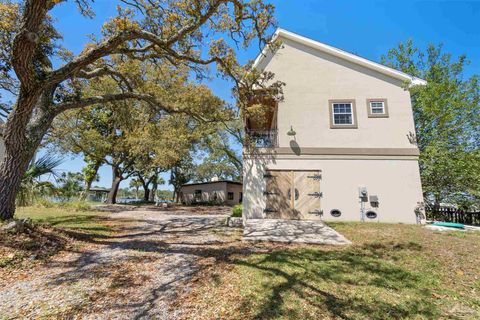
[(367, 28)]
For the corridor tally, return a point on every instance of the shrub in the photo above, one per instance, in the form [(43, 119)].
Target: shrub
[(76, 205), (44, 203), (237, 211)]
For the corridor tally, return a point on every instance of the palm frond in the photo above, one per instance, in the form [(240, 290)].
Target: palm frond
[(31, 187), (44, 165)]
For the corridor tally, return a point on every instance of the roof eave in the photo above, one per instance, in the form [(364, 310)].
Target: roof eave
[(341, 54)]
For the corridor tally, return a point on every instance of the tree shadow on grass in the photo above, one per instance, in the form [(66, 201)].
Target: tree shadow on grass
[(36, 243), (299, 275), (304, 274)]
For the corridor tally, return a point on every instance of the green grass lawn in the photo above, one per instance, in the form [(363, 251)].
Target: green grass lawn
[(21, 250), (86, 221), (390, 272)]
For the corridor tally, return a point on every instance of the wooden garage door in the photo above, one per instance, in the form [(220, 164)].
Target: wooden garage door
[(278, 194), (293, 195)]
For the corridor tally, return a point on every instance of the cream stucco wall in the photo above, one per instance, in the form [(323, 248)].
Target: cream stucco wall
[(396, 183), (377, 155), (313, 78)]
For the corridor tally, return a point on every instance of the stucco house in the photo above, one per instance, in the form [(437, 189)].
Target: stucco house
[(339, 146), (215, 192)]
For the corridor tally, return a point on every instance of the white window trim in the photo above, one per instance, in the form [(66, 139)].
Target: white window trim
[(342, 113), (384, 114), (371, 107), (353, 113)]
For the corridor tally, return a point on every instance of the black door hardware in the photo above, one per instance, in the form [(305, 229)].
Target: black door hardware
[(266, 193), (316, 194)]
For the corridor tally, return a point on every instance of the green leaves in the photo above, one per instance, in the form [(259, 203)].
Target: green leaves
[(31, 186), (447, 122)]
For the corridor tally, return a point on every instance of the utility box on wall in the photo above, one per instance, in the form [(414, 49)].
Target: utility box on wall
[(374, 201)]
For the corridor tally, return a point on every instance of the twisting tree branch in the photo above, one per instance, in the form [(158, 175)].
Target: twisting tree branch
[(26, 42), (102, 71), (112, 98), (108, 98)]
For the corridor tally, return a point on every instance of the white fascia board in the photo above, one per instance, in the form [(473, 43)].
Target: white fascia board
[(281, 33), (264, 52)]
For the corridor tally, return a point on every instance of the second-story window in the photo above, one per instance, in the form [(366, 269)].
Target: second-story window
[(342, 114), (377, 108)]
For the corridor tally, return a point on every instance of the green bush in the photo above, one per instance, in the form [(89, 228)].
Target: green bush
[(76, 205), (44, 203), (237, 211)]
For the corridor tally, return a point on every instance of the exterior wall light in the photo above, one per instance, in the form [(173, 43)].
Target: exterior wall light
[(291, 132)]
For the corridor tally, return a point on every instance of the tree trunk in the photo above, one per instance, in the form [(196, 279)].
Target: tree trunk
[(19, 149), (116, 179), (136, 193), (88, 183), (154, 191), (12, 169), (146, 194), (85, 192), (176, 195)]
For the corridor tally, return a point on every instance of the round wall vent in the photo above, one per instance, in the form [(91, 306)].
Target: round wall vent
[(336, 213), (371, 214)]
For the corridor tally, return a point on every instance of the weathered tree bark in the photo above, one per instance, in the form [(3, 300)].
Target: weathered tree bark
[(12, 169), (22, 137), (153, 192), (136, 193), (146, 194), (88, 183), (116, 179), (176, 195)]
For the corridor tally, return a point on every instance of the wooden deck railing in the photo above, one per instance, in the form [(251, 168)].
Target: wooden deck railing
[(449, 214)]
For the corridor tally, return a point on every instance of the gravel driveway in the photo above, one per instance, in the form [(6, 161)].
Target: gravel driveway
[(134, 274)]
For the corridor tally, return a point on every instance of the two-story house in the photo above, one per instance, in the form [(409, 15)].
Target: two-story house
[(339, 146)]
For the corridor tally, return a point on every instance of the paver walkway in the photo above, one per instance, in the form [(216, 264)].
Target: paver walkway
[(300, 231)]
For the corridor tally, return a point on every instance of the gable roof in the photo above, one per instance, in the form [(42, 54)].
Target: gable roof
[(281, 33)]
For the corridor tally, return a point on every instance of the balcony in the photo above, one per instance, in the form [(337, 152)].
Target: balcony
[(264, 138)]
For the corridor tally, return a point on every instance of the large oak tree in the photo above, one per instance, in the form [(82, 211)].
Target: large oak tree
[(183, 32)]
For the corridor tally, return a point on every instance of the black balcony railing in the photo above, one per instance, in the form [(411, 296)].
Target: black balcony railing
[(264, 138)]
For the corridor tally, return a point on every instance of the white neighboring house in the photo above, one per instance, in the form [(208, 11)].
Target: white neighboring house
[(338, 147)]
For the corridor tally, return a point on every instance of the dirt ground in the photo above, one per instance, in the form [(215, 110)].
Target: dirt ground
[(135, 273)]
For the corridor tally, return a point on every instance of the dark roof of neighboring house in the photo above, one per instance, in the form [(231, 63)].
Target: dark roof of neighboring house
[(211, 182), (99, 189)]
